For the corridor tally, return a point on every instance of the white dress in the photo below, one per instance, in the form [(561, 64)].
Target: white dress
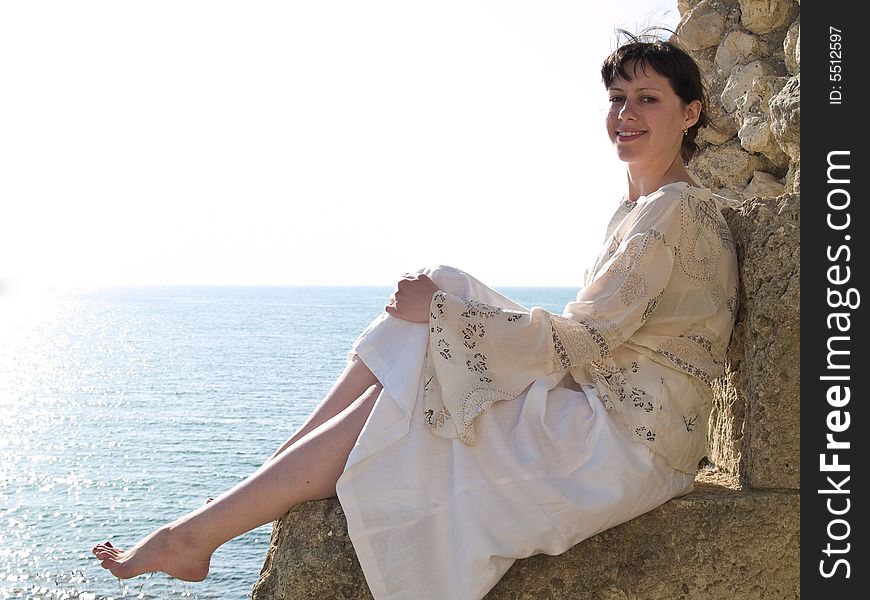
[(439, 509)]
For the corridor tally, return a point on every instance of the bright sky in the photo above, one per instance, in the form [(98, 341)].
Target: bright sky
[(316, 142)]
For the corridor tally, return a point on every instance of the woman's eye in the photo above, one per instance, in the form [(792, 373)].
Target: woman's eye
[(648, 99), (615, 99)]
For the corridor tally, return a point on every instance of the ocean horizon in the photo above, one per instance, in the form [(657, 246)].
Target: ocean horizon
[(122, 408)]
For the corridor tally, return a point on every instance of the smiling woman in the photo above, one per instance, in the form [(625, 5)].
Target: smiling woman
[(203, 143), (653, 118)]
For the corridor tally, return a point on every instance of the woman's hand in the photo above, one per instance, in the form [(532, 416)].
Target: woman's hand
[(412, 298)]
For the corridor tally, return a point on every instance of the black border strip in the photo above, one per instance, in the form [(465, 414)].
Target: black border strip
[(834, 262)]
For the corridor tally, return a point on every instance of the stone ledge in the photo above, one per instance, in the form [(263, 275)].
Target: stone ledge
[(717, 543)]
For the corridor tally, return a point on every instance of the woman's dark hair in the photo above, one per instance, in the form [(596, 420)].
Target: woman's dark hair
[(668, 60)]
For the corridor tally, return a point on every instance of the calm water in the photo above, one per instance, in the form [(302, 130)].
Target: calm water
[(122, 409)]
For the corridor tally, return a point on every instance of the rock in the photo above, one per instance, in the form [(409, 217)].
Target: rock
[(763, 184), (311, 556), (792, 48), (785, 114), (739, 48), (755, 136), (764, 16), (727, 166), (701, 27), (740, 82)]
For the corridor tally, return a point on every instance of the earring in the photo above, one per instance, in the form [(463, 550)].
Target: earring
[(685, 132)]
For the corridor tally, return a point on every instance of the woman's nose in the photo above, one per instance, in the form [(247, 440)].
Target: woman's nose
[(627, 110)]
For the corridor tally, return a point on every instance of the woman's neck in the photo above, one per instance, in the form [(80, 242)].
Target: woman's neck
[(643, 183)]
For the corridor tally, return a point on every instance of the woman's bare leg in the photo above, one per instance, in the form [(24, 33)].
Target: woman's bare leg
[(306, 470), (355, 379)]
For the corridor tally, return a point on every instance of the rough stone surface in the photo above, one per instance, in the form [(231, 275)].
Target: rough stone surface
[(765, 16), (685, 6), (728, 169), (756, 132), (759, 49), (725, 126), (785, 113), (764, 184), (740, 82), (701, 27), (792, 48), (713, 544), (739, 48), (311, 556), (756, 136), (755, 426)]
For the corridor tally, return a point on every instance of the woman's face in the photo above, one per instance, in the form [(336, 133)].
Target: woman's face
[(646, 118)]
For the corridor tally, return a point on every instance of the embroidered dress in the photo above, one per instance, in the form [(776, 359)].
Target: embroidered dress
[(503, 432)]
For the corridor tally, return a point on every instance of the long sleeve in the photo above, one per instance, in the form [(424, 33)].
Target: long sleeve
[(618, 300), (649, 331), (480, 354)]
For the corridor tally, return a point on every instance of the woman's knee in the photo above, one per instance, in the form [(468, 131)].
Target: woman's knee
[(365, 402), (359, 369), (437, 271), (371, 394), (450, 279)]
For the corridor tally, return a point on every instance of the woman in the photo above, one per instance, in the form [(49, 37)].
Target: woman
[(467, 431)]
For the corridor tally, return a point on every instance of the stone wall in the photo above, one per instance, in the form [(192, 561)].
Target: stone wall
[(749, 51)]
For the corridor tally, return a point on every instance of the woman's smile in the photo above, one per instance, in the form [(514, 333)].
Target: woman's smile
[(627, 135)]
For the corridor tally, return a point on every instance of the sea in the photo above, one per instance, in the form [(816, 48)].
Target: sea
[(122, 409)]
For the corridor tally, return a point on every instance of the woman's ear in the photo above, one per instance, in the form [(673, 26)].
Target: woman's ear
[(693, 113)]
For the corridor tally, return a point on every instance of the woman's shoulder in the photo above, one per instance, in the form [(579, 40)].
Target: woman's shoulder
[(667, 200), (682, 191), (675, 197), (676, 191), (673, 209)]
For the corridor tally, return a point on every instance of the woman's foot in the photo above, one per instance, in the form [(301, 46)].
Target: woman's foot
[(167, 549)]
